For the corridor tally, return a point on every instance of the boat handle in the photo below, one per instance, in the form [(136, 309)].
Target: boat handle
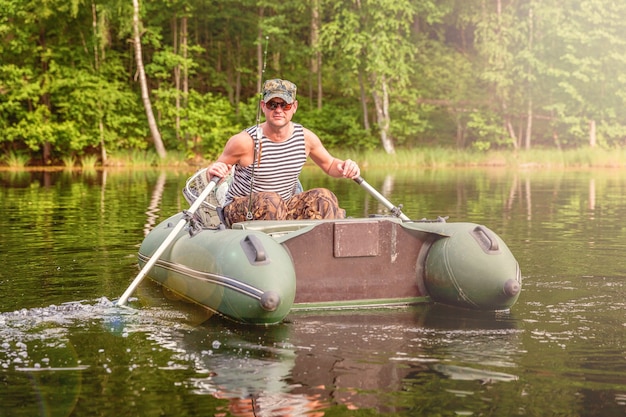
[(254, 250), (486, 239)]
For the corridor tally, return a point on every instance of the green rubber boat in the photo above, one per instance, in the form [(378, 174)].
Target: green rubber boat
[(258, 272)]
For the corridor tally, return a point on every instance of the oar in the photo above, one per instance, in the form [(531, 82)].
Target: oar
[(396, 211), (155, 256)]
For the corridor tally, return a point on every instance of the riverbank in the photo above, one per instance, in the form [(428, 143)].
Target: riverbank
[(580, 158), (540, 158)]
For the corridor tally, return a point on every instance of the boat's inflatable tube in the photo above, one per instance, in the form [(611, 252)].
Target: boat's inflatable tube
[(471, 267), (241, 274)]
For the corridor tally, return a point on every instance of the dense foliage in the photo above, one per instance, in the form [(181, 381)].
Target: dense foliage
[(479, 74)]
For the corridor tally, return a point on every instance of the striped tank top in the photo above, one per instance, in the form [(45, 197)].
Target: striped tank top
[(278, 171)]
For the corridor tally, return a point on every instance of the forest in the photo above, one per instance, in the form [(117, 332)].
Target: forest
[(94, 78)]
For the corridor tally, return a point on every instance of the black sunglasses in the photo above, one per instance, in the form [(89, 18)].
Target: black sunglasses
[(273, 105)]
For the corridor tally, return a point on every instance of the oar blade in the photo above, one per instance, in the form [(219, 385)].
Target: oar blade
[(166, 243)]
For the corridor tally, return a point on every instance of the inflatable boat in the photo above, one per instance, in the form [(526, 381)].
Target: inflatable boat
[(258, 272)]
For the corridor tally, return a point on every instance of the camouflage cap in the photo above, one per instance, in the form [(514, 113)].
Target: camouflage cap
[(279, 88)]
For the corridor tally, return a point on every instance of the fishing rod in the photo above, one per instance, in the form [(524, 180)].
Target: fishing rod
[(258, 110), (259, 132)]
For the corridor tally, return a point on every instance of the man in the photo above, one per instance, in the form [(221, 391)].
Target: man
[(267, 165)]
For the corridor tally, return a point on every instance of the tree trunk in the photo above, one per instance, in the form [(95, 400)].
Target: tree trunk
[(237, 98), (320, 94), (509, 127), (238, 80), (259, 54), (529, 116), (366, 119), (529, 123), (96, 60), (47, 153), (592, 133), (555, 137), (316, 59), (154, 130), (382, 117), (44, 99), (184, 41), (176, 76), (94, 25), (103, 149), (460, 133), (181, 73), (507, 123)]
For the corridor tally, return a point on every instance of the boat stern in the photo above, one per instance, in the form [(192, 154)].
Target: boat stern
[(472, 267)]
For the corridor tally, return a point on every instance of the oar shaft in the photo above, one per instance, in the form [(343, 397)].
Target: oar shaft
[(381, 198), (166, 243)]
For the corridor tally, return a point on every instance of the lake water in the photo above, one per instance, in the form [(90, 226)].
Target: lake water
[(68, 247)]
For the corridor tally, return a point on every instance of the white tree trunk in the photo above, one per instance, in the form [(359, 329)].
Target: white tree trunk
[(382, 117), (154, 130), (592, 134)]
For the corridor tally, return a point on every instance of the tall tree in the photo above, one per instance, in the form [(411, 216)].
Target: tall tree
[(316, 54), (374, 38), (498, 41), (586, 52), (145, 95)]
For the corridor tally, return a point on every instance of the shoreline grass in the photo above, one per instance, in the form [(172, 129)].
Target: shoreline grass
[(448, 158), (89, 162), (432, 158), (14, 160)]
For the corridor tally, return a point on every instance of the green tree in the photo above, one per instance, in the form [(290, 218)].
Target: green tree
[(586, 54), (374, 39), (61, 96), (464, 73)]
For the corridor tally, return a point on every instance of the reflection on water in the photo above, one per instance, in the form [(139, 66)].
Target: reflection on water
[(155, 204), (68, 245), (313, 363)]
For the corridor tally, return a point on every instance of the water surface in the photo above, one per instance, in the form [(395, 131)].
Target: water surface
[(68, 246)]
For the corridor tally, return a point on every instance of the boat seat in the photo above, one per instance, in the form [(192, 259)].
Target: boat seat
[(274, 226), (289, 225)]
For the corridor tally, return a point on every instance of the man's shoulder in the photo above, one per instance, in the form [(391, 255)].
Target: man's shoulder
[(242, 141), (308, 134), (245, 134)]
